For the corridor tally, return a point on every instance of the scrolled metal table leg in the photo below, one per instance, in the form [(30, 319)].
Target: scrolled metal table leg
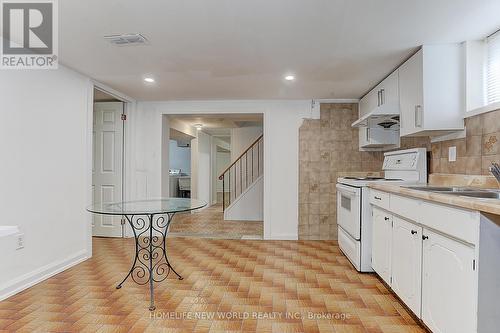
[(170, 217), (129, 219), (152, 306)]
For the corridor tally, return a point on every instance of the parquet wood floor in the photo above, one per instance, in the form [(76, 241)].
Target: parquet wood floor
[(210, 223), (258, 278)]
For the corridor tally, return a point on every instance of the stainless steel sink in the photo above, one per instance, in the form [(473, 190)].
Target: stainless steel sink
[(460, 191), (479, 194)]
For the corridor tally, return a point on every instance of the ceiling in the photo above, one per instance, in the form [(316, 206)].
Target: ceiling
[(101, 96), (227, 49), (220, 125)]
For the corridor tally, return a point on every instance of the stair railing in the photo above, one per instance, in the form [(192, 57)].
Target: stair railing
[(242, 172)]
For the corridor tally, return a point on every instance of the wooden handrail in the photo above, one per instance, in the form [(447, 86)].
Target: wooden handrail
[(241, 155)]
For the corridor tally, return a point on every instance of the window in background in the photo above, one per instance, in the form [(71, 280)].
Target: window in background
[(493, 68)]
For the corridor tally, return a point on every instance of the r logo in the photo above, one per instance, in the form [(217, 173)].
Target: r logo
[(28, 27)]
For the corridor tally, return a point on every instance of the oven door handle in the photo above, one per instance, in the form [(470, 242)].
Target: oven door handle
[(345, 190)]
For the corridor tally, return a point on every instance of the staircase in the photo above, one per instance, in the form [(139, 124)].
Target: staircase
[(243, 177)]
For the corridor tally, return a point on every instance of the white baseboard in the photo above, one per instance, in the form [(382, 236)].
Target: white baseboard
[(282, 237), (30, 279)]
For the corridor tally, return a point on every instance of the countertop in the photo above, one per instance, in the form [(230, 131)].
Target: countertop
[(491, 206)]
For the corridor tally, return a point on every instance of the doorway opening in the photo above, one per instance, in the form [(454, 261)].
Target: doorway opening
[(209, 158), (108, 161)]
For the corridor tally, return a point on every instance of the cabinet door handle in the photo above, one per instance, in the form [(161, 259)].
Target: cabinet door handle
[(377, 198), (425, 237), (413, 232), (382, 96), (386, 218), (378, 98), (418, 116), (368, 134)]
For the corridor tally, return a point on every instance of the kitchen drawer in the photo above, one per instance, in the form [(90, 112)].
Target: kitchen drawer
[(380, 199), (455, 222), (406, 207)]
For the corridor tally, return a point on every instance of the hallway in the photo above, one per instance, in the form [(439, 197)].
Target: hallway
[(209, 223)]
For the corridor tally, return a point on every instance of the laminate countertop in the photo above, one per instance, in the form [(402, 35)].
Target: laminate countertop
[(491, 206)]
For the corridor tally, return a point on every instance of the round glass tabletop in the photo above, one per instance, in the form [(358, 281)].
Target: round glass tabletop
[(147, 206)]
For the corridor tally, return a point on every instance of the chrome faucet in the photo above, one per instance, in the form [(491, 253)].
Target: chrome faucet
[(495, 170)]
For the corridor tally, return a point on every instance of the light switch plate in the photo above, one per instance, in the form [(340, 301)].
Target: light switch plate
[(452, 154), (20, 241)]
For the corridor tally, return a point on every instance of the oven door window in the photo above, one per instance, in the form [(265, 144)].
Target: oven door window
[(349, 210), (345, 202)]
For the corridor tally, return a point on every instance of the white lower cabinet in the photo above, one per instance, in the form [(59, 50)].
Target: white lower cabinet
[(449, 292), (407, 263), (381, 244), (430, 260)]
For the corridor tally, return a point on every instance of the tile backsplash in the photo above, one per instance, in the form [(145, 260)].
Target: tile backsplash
[(475, 152)]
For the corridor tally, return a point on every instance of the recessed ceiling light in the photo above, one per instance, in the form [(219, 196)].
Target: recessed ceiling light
[(289, 77), (149, 79), (198, 126)]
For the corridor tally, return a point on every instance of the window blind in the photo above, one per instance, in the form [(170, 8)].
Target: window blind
[(493, 68)]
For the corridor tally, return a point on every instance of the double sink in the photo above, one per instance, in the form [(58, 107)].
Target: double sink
[(460, 191)]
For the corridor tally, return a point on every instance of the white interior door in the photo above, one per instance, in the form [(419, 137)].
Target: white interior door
[(107, 165)]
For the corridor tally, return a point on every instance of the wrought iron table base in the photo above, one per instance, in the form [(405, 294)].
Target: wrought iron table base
[(150, 262)]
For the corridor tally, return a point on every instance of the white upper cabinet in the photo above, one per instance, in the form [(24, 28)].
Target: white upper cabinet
[(384, 98), (389, 93), (432, 91), (368, 103)]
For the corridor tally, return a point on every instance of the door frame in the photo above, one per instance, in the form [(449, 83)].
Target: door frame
[(129, 105)]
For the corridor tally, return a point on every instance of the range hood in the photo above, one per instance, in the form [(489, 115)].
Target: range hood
[(380, 117)]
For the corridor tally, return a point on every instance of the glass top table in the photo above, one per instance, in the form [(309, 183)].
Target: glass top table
[(149, 220), (146, 207)]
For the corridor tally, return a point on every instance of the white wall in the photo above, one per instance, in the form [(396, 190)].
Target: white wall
[(180, 157), (45, 171), (201, 173), (249, 205), (222, 161), (242, 138), (282, 120)]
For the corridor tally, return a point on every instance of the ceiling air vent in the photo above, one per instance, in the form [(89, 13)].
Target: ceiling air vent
[(126, 39)]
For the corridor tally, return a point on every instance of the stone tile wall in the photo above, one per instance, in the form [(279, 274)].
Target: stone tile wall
[(328, 147)]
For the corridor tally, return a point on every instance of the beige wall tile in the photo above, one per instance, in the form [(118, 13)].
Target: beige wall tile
[(474, 145), (474, 125), (491, 144), (491, 122)]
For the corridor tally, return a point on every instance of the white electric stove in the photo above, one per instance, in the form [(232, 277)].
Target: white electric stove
[(354, 213)]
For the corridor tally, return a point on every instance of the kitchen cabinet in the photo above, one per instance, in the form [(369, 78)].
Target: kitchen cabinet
[(448, 284), (384, 95), (441, 261), (389, 92), (431, 90), (407, 262), (381, 244), (368, 103)]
